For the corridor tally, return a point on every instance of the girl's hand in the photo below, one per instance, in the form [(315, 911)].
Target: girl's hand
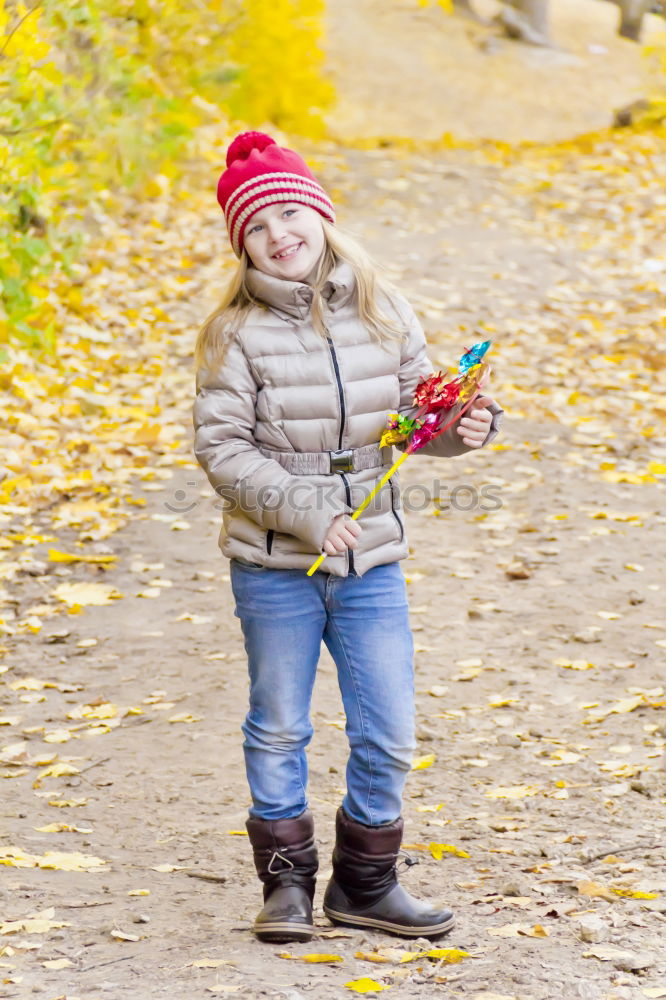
[(341, 535), (474, 426)]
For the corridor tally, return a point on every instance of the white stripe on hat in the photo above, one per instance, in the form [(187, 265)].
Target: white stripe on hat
[(262, 190)]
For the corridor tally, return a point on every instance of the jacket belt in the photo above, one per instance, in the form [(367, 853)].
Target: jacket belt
[(324, 463)]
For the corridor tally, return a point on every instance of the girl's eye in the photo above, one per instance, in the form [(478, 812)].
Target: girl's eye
[(290, 211), (255, 229)]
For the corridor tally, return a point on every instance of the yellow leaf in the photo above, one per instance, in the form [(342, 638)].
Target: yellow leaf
[(57, 963), (631, 894), (573, 664), (420, 763), (376, 956), (450, 956), (313, 958), (57, 771), (84, 594), (512, 792), (71, 557), (138, 892), (57, 736), (594, 891), (657, 468), (62, 828), (366, 985), (37, 923), (74, 862), (237, 833), (439, 850), (184, 717)]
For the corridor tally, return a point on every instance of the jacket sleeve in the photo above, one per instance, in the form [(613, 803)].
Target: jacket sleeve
[(414, 366), (225, 447)]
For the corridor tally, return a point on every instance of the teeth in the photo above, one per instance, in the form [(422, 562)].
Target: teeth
[(287, 253)]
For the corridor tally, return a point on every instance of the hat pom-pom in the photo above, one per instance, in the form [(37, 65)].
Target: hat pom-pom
[(244, 143)]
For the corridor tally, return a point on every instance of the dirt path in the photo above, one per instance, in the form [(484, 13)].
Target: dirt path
[(408, 69), (540, 693)]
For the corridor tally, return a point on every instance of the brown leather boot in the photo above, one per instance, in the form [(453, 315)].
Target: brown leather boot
[(364, 890), (285, 857)]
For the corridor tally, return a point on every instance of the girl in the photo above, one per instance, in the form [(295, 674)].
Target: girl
[(297, 370)]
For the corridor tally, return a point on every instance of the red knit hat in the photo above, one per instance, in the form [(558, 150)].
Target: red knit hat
[(261, 173)]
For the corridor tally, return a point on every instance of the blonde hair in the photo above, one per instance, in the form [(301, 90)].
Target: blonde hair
[(220, 328)]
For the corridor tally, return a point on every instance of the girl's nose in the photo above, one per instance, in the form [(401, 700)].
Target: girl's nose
[(276, 230)]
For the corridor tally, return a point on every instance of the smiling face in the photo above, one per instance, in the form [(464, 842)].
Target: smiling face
[(285, 240)]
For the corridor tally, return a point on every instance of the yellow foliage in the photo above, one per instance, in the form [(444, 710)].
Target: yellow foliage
[(102, 96), (276, 49)]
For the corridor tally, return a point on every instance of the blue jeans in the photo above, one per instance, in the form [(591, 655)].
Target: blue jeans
[(364, 622)]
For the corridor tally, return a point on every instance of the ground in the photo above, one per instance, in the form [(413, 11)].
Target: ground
[(536, 592)]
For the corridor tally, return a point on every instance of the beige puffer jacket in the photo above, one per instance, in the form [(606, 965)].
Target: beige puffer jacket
[(283, 396)]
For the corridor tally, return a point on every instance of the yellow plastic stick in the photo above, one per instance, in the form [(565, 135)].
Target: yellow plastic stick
[(359, 510), (396, 465)]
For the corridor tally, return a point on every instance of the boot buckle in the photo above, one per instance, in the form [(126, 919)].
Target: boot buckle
[(407, 859), (276, 854)]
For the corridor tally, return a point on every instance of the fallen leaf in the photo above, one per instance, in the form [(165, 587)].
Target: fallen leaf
[(632, 894), (606, 953), (84, 594), (37, 923), (439, 850), (311, 959), (512, 792), (594, 891), (58, 963), (63, 828), (69, 557), (420, 763), (124, 936), (365, 985)]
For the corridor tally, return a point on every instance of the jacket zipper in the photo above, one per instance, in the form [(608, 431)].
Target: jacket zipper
[(395, 512), (341, 394), (350, 554), (343, 419), (270, 534)]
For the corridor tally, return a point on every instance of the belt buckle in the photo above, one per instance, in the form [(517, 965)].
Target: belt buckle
[(342, 461)]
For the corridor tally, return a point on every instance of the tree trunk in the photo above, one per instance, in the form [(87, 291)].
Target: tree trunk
[(631, 18), (527, 20)]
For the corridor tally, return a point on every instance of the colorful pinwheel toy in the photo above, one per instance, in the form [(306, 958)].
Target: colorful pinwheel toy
[(434, 398)]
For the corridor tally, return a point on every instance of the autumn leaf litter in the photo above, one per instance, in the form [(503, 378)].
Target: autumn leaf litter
[(535, 805)]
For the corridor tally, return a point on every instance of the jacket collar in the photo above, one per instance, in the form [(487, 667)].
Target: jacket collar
[(295, 297)]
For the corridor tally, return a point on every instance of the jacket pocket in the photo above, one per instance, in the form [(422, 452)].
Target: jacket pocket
[(394, 510)]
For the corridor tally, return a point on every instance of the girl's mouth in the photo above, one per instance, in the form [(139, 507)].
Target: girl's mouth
[(289, 252)]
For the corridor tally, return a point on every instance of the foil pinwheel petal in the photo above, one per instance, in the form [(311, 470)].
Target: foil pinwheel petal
[(473, 356), (429, 390), (469, 383), (391, 436)]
